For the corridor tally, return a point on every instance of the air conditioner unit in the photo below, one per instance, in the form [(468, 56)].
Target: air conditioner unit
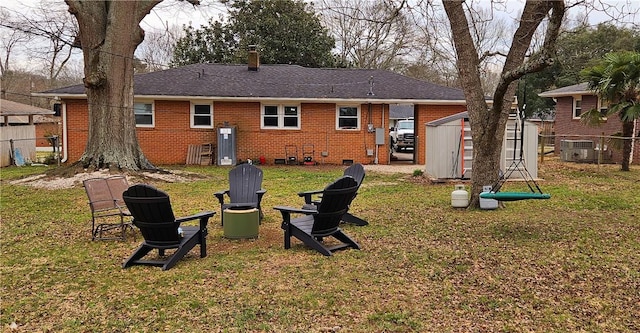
[(577, 151)]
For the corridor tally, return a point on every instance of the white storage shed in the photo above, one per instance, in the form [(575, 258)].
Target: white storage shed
[(449, 148)]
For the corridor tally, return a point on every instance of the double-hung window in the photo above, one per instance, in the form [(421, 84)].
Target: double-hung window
[(280, 116), (144, 114), (603, 107), (348, 118), (577, 107), (201, 115)]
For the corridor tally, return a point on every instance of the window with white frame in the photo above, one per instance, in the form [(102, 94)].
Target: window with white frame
[(348, 117), (603, 107), (144, 114), (201, 115), (280, 116), (577, 107)]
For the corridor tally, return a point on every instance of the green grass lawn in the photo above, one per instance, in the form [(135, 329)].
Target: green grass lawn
[(568, 264)]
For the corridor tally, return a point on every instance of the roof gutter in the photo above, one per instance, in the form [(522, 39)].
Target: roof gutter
[(566, 93)]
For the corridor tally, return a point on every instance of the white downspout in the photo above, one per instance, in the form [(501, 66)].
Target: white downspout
[(65, 155)]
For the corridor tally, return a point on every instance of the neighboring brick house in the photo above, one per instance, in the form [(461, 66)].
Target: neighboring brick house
[(335, 111), (571, 101)]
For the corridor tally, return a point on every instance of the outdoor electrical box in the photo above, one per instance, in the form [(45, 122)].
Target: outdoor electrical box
[(380, 136), (227, 145)]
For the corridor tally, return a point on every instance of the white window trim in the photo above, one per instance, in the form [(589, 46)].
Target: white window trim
[(153, 113), (358, 116), (601, 107), (192, 114), (281, 116), (573, 107)]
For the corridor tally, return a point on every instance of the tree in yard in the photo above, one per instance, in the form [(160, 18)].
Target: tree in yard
[(616, 80), (56, 27), (370, 34), (157, 49), (43, 35), (109, 33), (577, 48), (488, 122), (9, 40), (285, 31), (215, 43)]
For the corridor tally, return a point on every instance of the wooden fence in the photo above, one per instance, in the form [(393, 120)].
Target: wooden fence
[(20, 137)]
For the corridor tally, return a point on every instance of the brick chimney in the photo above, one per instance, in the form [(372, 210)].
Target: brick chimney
[(254, 58)]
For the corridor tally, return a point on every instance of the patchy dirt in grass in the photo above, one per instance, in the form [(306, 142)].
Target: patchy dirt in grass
[(56, 182), (63, 181)]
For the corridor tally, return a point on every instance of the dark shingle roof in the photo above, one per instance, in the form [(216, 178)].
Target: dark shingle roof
[(282, 81)]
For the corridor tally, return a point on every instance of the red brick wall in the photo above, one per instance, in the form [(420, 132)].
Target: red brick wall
[(167, 142), (44, 130), (427, 113), (567, 128), (77, 128), (318, 134)]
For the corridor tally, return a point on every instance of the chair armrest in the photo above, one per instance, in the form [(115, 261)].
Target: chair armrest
[(308, 195), (202, 216), (296, 210), (220, 195), (286, 213), (260, 194), (124, 210)]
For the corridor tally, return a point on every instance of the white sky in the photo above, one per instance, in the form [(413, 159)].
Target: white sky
[(181, 13), (178, 13), (173, 12)]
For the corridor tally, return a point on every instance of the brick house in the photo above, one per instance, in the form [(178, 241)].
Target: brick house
[(335, 111), (571, 101)]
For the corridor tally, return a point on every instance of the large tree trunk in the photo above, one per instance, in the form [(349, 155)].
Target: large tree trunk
[(109, 35), (488, 123)]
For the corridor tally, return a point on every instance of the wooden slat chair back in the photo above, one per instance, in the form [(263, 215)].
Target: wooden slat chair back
[(323, 220), (105, 201), (153, 215), (245, 188)]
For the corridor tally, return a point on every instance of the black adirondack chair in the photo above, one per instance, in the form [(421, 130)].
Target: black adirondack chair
[(153, 215), (245, 189), (323, 221), (311, 197)]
